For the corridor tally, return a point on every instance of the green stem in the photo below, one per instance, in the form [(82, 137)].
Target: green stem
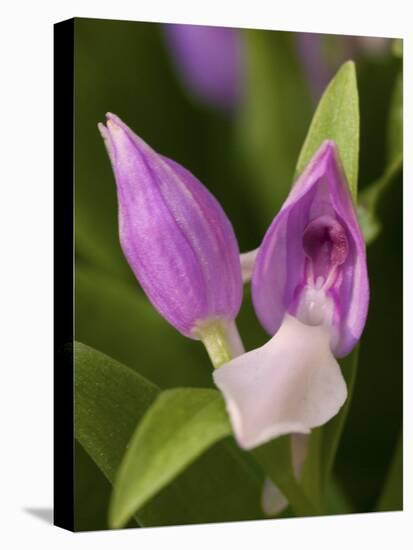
[(333, 430), (221, 340), (275, 459), (311, 474), (297, 498)]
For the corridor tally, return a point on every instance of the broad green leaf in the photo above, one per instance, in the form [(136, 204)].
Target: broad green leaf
[(275, 459), (119, 320), (337, 118), (391, 499), (179, 426), (273, 118), (312, 473), (110, 400), (102, 425), (92, 493)]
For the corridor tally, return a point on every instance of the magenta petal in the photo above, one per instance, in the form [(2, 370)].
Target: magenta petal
[(175, 235), (279, 271)]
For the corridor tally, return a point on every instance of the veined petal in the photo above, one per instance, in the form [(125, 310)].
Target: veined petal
[(290, 385), (174, 233), (321, 192)]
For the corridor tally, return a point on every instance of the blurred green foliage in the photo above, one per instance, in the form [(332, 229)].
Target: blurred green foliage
[(375, 418), (247, 160), (270, 134), (110, 401), (391, 495), (179, 427)]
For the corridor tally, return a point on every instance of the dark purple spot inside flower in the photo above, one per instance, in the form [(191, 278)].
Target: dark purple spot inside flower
[(326, 245)]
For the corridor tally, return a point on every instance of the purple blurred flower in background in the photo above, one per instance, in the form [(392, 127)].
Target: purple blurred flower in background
[(310, 290), (209, 61), (317, 72), (321, 55), (174, 234)]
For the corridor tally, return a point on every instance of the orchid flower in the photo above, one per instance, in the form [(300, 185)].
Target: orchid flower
[(177, 240), (209, 61), (310, 292)]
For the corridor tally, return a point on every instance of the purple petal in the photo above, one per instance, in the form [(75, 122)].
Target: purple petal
[(279, 271), (209, 60), (174, 234)]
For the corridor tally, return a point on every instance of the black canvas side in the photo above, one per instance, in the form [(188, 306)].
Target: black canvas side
[(63, 274)]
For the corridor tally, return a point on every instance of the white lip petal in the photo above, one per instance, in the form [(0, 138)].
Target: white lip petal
[(290, 385), (272, 500), (247, 260)]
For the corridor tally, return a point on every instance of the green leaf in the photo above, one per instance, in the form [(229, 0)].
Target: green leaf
[(110, 400), (337, 118), (391, 498), (275, 459), (102, 424), (273, 118), (337, 501), (180, 425), (92, 493)]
